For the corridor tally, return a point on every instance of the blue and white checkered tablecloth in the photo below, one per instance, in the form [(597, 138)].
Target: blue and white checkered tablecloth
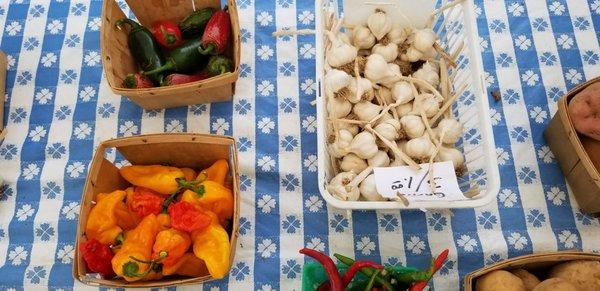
[(59, 107)]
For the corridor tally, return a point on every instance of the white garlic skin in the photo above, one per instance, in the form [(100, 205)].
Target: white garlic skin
[(344, 37), (389, 52), (424, 39), (376, 68), (397, 34), (413, 126), (363, 38), (379, 24), (412, 55), (451, 154), (360, 90), (420, 148), (366, 110), (386, 94), (397, 162), (335, 80), (340, 53), (393, 77), (381, 159), (402, 92), (404, 109), (389, 129), (338, 148), (368, 189), (352, 128), (352, 163), (338, 107), (338, 187), (428, 103), (385, 117), (452, 130), (429, 74), (363, 145)]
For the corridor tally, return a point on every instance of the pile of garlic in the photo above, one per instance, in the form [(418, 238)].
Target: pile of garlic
[(386, 88)]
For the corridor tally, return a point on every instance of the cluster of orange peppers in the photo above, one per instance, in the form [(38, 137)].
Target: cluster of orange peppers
[(172, 221)]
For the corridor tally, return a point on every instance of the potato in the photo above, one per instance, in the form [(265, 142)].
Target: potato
[(584, 110), (585, 275), (529, 280), (555, 284), (499, 280)]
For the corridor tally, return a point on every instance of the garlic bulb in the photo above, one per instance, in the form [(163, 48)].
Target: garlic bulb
[(429, 74), (424, 39), (451, 154), (376, 68), (412, 55), (452, 130), (404, 109), (366, 110), (379, 23), (360, 90), (397, 34), (338, 187), (397, 162), (431, 53), (363, 145), (368, 190), (428, 103), (385, 94), (352, 163), (389, 129), (420, 148), (362, 37), (339, 53), (402, 92), (393, 77), (389, 52), (380, 159), (338, 107), (352, 128), (344, 37), (413, 126), (338, 148), (335, 80), (385, 117)]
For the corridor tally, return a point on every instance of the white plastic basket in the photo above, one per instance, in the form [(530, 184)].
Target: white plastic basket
[(456, 28)]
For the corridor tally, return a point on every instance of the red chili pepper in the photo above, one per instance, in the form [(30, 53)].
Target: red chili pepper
[(145, 201), (167, 34), (186, 217), (351, 272), (97, 257), (133, 81), (176, 79), (435, 266), (329, 266), (216, 34)]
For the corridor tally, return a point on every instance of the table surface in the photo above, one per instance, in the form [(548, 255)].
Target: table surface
[(59, 107)]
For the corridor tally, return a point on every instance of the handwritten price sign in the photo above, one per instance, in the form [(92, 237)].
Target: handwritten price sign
[(415, 186)]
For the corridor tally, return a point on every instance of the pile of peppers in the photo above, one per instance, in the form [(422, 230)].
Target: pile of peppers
[(171, 221), (378, 277), (171, 53)]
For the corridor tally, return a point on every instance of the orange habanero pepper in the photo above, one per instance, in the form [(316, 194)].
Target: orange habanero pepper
[(217, 172), (170, 245), (212, 246), (132, 260), (216, 198), (189, 174), (102, 222), (161, 179), (188, 265)]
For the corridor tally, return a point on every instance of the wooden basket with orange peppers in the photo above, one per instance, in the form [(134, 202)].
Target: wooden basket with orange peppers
[(168, 223)]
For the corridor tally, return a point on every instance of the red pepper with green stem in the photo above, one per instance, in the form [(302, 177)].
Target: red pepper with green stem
[(177, 79), (329, 266), (366, 271), (351, 272), (167, 34), (435, 266), (137, 81), (97, 257), (216, 34)]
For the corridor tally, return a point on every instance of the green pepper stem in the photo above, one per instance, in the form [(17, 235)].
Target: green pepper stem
[(166, 67), (209, 50), (369, 286), (129, 81), (170, 38), (122, 21), (366, 271)]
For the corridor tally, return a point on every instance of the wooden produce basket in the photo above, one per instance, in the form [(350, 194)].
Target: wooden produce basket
[(577, 155), (118, 62), (196, 151), (537, 264)]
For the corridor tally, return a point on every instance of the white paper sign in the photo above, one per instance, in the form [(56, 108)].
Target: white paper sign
[(414, 185)]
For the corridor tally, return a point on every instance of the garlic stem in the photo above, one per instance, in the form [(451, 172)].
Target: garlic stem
[(424, 84), (430, 170), (472, 192), (444, 54), (458, 50), (441, 9), (397, 152), (402, 199), (360, 177), (383, 112), (444, 85), (447, 104)]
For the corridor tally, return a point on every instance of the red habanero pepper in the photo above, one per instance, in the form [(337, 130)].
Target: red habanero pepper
[(145, 201), (186, 217), (435, 266), (97, 257), (329, 266), (167, 34), (216, 34), (133, 81), (176, 79)]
